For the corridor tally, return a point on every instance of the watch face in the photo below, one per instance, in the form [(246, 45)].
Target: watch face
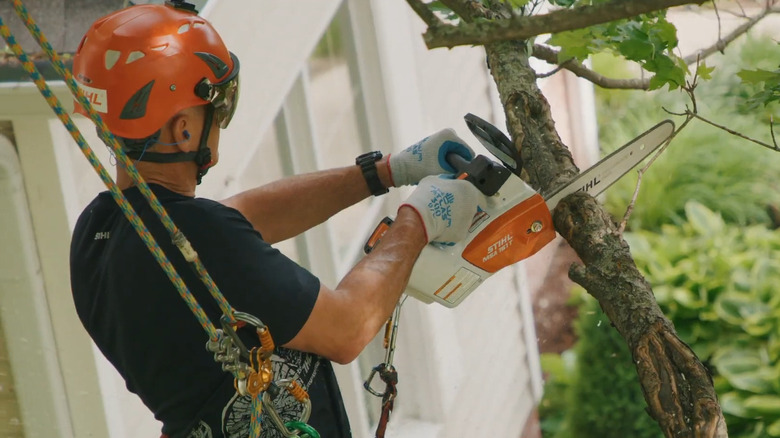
[(369, 157)]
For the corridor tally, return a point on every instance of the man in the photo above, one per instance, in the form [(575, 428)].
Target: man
[(165, 84)]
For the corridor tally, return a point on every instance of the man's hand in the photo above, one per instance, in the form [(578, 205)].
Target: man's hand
[(427, 157), (446, 207)]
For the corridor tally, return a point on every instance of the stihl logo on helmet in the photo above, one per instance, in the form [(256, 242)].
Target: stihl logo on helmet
[(97, 97)]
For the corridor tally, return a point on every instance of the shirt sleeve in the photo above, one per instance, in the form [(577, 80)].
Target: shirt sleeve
[(254, 277)]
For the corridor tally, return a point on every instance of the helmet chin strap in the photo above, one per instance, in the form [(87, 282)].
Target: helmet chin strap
[(201, 157)]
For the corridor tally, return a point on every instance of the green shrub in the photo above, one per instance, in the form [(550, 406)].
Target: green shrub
[(718, 284), (605, 399), (559, 371)]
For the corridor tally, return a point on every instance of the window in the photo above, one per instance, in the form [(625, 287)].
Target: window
[(337, 109)]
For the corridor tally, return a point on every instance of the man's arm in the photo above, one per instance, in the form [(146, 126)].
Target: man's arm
[(290, 206), (345, 319)]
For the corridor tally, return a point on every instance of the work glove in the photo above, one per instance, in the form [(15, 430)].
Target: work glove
[(446, 207), (426, 157)]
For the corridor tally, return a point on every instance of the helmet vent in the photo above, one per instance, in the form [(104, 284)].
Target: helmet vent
[(111, 57), (184, 28), (197, 24), (160, 48), (135, 108), (134, 56), (81, 44)]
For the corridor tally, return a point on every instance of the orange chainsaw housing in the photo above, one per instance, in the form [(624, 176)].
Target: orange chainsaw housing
[(518, 234)]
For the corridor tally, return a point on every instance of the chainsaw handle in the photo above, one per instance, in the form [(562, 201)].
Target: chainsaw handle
[(486, 175), (458, 163)]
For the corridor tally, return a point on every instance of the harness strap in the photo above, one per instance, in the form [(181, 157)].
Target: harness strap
[(389, 375)]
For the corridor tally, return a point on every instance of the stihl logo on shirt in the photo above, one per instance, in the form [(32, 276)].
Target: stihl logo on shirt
[(97, 97)]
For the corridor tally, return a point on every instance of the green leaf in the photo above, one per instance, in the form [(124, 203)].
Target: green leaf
[(665, 33), (637, 48), (573, 44), (731, 403), (745, 369), (563, 3), (703, 220), (774, 429), (517, 4), (763, 404), (688, 299), (757, 76), (703, 71)]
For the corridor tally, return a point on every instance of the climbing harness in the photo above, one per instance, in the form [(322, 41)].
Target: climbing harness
[(251, 368), (387, 372)]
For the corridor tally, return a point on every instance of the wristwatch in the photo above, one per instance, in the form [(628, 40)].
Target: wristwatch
[(367, 163)]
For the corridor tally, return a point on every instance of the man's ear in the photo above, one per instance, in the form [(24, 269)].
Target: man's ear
[(180, 133)]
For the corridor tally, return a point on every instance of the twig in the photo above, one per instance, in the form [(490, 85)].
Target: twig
[(717, 15), (773, 147), (553, 71), (550, 56), (641, 172), (689, 88), (425, 13), (742, 8), (721, 44)]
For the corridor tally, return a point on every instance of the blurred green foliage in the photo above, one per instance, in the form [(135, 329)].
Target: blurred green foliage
[(730, 175), (701, 234)]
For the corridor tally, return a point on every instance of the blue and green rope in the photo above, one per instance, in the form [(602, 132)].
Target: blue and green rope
[(176, 235)]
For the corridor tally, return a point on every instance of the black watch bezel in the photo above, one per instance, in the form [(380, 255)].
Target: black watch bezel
[(367, 163)]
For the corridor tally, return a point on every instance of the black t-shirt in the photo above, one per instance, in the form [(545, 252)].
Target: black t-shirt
[(143, 326)]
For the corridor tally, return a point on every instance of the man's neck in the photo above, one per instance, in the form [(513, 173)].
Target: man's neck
[(177, 177)]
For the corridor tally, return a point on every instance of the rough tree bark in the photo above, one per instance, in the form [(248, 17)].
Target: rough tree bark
[(677, 387)]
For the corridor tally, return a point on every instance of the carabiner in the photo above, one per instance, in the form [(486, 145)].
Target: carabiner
[(270, 409)]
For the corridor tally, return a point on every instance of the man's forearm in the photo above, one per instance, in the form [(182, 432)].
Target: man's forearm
[(346, 318), (288, 207)]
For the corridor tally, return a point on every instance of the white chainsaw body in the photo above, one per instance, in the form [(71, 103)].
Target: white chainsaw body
[(498, 237)]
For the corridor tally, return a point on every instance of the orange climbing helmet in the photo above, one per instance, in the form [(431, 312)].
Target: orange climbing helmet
[(141, 65)]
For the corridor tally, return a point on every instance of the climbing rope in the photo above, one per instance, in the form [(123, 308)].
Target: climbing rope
[(221, 341)]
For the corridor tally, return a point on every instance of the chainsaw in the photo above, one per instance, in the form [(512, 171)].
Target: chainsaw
[(516, 222)]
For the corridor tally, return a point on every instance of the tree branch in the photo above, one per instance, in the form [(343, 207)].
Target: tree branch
[(425, 13), (721, 44), (521, 28), (468, 10), (550, 56)]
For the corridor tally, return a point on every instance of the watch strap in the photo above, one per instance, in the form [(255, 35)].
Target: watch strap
[(367, 163)]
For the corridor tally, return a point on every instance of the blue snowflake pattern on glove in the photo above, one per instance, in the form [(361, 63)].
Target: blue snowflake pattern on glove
[(441, 204)]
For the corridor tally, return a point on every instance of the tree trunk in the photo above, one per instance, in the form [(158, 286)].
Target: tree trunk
[(677, 387)]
